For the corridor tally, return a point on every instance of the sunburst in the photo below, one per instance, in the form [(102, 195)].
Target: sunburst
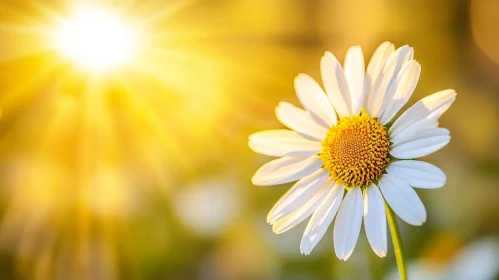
[(89, 123), (96, 39)]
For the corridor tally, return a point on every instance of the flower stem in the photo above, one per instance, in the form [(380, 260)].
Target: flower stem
[(397, 244)]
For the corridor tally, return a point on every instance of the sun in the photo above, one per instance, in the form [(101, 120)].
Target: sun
[(96, 39)]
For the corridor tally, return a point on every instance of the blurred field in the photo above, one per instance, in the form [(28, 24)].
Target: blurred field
[(144, 172)]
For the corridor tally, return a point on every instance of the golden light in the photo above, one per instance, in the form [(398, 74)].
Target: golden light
[(96, 39), (163, 72)]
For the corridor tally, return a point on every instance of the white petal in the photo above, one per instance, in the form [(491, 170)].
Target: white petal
[(285, 170), (375, 220), (354, 74), (321, 219), (301, 192), (407, 136), (424, 113), (404, 87), (417, 173), (298, 216), (390, 71), (299, 121), (374, 70), (421, 147), (314, 100), (403, 200), (282, 142), (347, 226), (433, 125), (336, 85), (379, 58)]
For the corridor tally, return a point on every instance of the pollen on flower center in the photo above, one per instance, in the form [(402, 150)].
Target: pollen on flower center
[(355, 151)]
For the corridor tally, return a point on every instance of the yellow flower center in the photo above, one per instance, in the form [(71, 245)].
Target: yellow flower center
[(355, 151)]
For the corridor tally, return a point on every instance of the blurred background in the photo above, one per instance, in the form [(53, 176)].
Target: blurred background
[(143, 171)]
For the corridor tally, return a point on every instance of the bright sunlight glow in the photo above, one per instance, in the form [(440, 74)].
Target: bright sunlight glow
[(96, 39)]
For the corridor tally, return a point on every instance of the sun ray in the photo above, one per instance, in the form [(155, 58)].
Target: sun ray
[(155, 15), (89, 144), (152, 123), (15, 95)]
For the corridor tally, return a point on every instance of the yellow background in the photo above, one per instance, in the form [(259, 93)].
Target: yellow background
[(144, 172)]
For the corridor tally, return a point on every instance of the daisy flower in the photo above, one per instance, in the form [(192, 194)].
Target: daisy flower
[(347, 152)]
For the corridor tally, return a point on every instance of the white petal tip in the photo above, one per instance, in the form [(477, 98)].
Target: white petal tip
[(417, 224), (254, 181), (259, 182), (300, 76), (381, 254), (305, 250), (274, 228), (305, 253), (251, 145), (270, 221), (344, 257), (277, 230)]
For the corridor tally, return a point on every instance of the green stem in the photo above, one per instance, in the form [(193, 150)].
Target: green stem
[(397, 244)]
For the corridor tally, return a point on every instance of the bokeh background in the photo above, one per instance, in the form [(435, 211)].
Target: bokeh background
[(144, 172)]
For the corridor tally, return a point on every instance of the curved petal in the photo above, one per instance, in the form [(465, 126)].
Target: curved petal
[(321, 219), (375, 220), (379, 58), (314, 100), (285, 170), (404, 87), (347, 226), (301, 192), (298, 216), (408, 136), (374, 70), (381, 87), (433, 125), (418, 174), (336, 85), (282, 142), (299, 121), (428, 141), (424, 113), (354, 74), (403, 200)]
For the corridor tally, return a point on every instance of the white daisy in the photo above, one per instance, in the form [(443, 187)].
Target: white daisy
[(345, 141)]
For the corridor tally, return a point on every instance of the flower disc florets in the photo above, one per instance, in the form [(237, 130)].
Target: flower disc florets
[(355, 151)]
